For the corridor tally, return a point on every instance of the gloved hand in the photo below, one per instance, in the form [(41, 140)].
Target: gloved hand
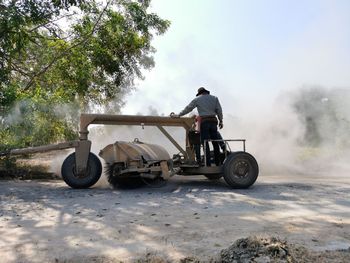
[(221, 125), (173, 115)]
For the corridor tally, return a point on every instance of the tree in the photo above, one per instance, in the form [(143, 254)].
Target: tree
[(68, 52), (323, 112)]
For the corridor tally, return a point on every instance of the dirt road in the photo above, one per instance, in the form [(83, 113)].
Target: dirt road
[(46, 221)]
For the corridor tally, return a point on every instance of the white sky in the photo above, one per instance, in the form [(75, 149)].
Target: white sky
[(244, 51)]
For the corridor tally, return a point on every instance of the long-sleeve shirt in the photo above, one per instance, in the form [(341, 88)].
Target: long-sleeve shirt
[(207, 105)]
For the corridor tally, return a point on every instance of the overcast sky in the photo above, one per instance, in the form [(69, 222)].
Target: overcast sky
[(246, 52)]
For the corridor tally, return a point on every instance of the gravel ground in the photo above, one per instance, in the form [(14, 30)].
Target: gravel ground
[(189, 217)]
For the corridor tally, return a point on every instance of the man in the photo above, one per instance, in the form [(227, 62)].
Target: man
[(208, 107)]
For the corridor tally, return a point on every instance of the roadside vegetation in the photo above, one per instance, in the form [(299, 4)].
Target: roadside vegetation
[(60, 58)]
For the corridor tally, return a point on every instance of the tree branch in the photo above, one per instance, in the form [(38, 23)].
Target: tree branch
[(49, 22), (66, 52)]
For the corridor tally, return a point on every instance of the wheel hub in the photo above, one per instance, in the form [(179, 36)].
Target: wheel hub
[(82, 174), (241, 168)]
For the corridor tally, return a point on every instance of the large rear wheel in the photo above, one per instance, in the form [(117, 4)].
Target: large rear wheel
[(89, 178), (240, 170)]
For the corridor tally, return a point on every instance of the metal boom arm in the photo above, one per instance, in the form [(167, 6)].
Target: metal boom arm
[(157, 121)]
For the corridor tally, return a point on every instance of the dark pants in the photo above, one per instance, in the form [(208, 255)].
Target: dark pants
[(209, 130), (221, 143), (197, 148)]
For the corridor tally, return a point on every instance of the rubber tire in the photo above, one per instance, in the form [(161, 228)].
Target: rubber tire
[(94, 172), (213, 176), (229, 174)]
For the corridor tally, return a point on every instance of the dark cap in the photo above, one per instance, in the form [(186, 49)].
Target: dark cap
[(202, 90)]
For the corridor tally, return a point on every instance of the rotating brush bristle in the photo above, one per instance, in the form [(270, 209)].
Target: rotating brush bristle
[(128, 181), (109, 173)]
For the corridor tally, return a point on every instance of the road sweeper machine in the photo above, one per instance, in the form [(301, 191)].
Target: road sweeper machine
[(133, 163)]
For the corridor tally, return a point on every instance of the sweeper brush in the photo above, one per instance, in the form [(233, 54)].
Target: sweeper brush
[(131, 164)]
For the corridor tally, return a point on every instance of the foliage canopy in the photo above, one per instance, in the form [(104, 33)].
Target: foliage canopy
[(75, 53)]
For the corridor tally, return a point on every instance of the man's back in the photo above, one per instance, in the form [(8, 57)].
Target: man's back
[(208, 105)]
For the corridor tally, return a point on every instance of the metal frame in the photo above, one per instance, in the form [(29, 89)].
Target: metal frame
[(220, 140), (158, 121), (106, 119), (83, 145)]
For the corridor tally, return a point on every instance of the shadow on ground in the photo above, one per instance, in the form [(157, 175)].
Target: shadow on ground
[(48, 221)]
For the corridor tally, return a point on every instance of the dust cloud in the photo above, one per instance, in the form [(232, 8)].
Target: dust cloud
[(304, 131)]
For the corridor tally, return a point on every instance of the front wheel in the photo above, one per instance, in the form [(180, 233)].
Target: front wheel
[(91, 176), (240, 170)]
